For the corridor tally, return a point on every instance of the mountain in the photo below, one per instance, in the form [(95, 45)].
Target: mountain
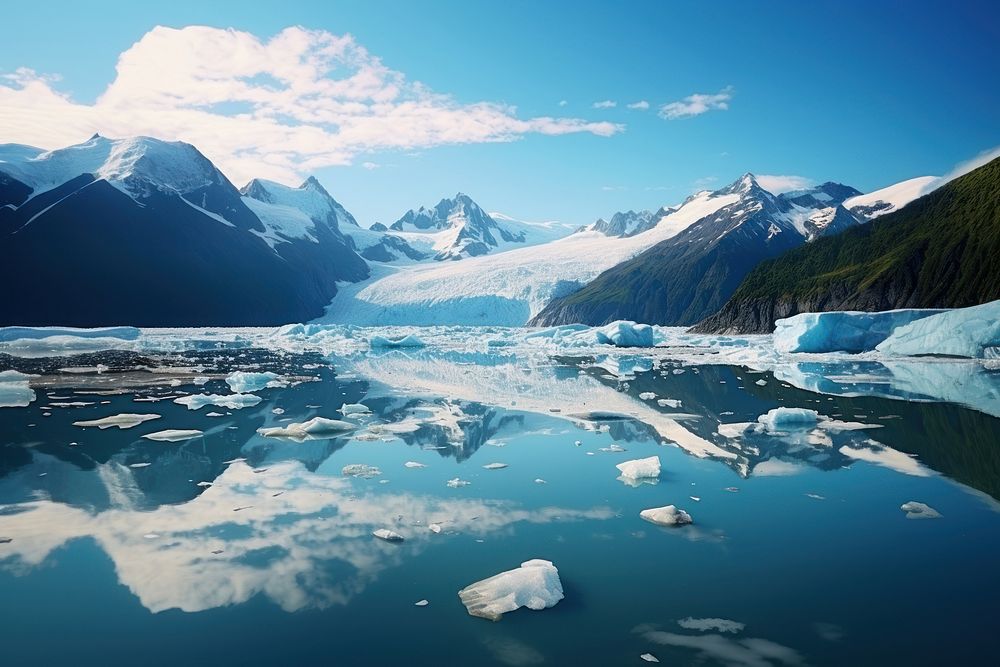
[(146, 232), (686, 277), (888, 199), (297, 213), (505, 288), (939, 251), (629, 223), (453, 229)]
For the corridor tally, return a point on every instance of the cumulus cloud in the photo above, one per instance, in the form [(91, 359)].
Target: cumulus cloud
[(370, 166), (641, 105), (605, 104), (697, 104), (563, 103), (777, 184), (276, 108)]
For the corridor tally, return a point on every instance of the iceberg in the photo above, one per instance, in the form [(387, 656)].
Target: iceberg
[(315, 428), (640, 468), (409, 340), (534, 585), (915, 510), (841, 330), (14, 390), (348, 409), (387, 535), (122, 421), (231, 401), (668, 515), (780, 419), (963, 332), (242, 382), (626, 334), (173, 435)]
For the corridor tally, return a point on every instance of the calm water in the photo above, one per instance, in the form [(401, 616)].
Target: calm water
[(233, 548)]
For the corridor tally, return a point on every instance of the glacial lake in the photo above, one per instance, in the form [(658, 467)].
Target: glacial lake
[(231, 547)]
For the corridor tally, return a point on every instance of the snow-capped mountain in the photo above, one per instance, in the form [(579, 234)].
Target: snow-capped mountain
[(306, 211), (891, 198), (505, 288), (629, 223), (455, 228), (687, 277), (150, 233)]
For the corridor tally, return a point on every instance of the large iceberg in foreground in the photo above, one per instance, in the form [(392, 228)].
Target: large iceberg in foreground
[(841, 330), (963, 332), (640, 468), (534, 585), (626, 334)]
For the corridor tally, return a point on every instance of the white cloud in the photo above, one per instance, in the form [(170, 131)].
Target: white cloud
[(777, 184), (276, 108), (963, 168), (697, 104), (370, 166), (612, 188), (605, 104), (641, 105), (563, 103)]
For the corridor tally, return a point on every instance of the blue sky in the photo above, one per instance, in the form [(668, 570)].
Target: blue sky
[(862, 93)]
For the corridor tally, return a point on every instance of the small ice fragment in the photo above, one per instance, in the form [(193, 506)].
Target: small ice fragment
[(122, 421), (242, 382), (388, 535), (214, 414), (435, 527), (315, 428), (668, 515), (173, 435), (204, 485), (150, 536), (277, 411), (815, 496), (348, 409), (421, 603), (539, 480), (534, 585), (494, 466), (362, 470), (640, 468), (231, 401), (915, 510), (456, 483), (649, 657), (647, 395), (695, 498), (668, 403), (761, 382), (139, 465), (577, 443), (414, 464)]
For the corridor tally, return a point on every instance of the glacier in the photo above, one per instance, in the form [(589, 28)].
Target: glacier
[(841, 331), (963, 332)]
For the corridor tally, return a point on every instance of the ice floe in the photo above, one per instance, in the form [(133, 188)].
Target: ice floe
[(917, 510), (668, 515), (122, 421), (387, 535), (243, 382), (640, 468), (15, 391), (315, 428), (535, 585), (173, 435), (230, 401), (349, 409)]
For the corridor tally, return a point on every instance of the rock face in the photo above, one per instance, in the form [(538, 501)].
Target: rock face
[(629, 223), (149, 233), (938, 251), (691, 275)]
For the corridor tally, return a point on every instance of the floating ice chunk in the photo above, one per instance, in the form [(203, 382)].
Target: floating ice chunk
[(649, 657), (435, 528), (963, 332), (733, 430), (534, 585), (243, 382), (780, 419), (647, 395), (405, 341), (457, 483), (414, 464), (640, 468), (230, 401), (421, 603), (539, 480), (841, 331), (668, 403), (669, 515), (122, 421), (708, 624), (362, 470), (139, 465), (314, 429), (14, 390), (915, 510), (495, 466), (388, 535), (173, 435), (348, 409), (761, 383), (626, 334)]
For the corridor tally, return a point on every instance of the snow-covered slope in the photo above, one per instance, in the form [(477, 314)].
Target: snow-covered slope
[(533, 233), (454, 229), (890, 198), (506, 288)]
